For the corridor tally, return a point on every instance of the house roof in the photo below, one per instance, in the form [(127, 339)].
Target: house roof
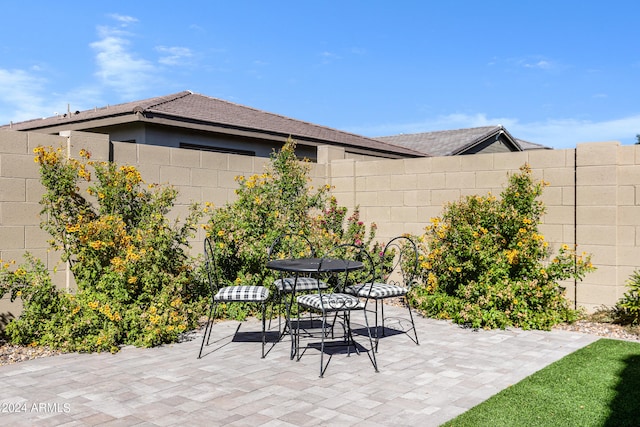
[(453, 142), (526, 145), (191, 110)]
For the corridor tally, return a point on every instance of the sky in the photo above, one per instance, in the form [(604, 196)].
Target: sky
[(552, 72)]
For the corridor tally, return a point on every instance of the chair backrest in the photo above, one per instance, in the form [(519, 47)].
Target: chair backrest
[(291, 245), (399, 262), (351, 253), (210, 265)]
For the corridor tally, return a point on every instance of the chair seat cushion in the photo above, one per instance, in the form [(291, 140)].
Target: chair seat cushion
[(242, 293), (330, 302), (303, 284), (378, 290)]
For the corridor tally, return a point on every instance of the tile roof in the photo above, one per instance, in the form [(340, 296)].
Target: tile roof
[(190, 107), (446, 142)]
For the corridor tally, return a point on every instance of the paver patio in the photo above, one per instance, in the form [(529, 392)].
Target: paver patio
[(452, 370)]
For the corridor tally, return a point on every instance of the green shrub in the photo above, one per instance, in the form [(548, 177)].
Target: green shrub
[(129, 262), (488, 265), (628, 308), (280, 200)]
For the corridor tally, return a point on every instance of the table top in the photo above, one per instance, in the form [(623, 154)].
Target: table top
[(313, 265)]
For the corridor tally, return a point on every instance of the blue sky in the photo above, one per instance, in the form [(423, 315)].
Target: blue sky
[(556, 73)]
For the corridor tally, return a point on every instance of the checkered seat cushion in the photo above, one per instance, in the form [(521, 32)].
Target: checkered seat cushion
[(378, 290), (331, 302), (303, 284), (242, 293)]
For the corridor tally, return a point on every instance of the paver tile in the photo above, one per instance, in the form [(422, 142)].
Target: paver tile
[(452, 370)]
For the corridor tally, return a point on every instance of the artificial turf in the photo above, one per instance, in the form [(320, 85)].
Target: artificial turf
[(598, 385)]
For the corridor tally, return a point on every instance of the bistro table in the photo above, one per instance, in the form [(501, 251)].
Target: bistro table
[(307, 266)]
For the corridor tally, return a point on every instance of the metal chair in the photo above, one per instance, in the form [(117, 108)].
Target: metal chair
[(398, 271), (340, 264), (291, 246), (226, 294)]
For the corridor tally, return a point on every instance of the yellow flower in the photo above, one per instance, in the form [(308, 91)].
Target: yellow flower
[(432, 280), (132, 279), (426, 265), (96, 244), (73, 228)]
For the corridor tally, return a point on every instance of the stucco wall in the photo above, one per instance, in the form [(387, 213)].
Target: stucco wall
[(601, 214)]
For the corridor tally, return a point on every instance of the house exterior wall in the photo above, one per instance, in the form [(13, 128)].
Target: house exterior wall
[(593, 197), (173, 136)]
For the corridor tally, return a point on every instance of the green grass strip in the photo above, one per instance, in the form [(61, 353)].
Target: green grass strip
[(598, 385)]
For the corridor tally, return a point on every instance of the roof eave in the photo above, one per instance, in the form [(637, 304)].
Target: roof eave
[(179, 121)]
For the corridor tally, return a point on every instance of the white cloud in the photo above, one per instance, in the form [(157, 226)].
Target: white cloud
[(567, 133), (542, 64), (21, 96), (328, 57), (123, 19), (174, 55), (118, 67), (534, 62), (24, 96)]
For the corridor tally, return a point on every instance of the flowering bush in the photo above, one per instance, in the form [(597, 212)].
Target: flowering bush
[(488, 265), (277, 201), (129, 263)]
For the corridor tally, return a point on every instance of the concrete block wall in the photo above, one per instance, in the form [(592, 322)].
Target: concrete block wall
[(199, 176), (592, 202), (601, 214)]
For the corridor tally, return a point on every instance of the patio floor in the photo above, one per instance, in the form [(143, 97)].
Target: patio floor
[(452, 370)]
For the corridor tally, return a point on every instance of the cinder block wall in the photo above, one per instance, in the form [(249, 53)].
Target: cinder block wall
[(601, 214), (592, 201)]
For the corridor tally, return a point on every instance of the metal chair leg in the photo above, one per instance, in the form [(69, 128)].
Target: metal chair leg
[(264, 322), (324, 324), (208, 328), (372, 353), (413, 325)]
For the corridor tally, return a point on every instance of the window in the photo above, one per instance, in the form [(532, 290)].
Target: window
[(190, 146)]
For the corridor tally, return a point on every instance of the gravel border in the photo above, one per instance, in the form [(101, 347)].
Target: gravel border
[(607, 330), (10, 353)]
